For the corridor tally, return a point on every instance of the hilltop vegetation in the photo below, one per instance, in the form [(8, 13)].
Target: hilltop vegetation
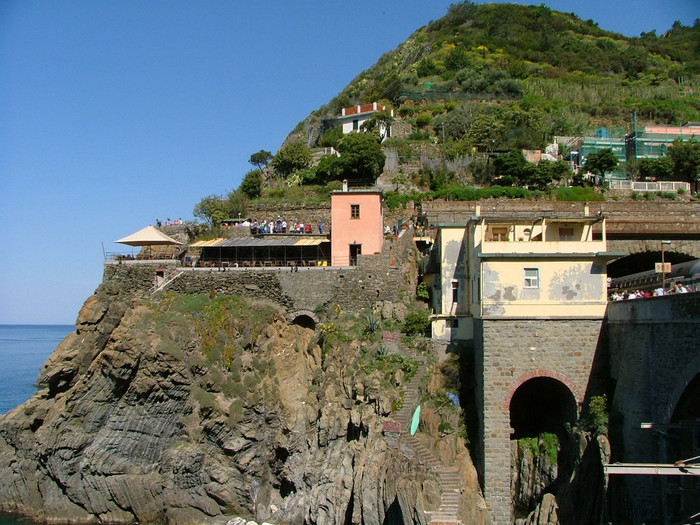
[(501, 59), (484, 81)]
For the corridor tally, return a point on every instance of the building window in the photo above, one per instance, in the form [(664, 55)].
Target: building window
[(566, 234), (455, 291), (354, 211), (453, 323), (499, 234), (355, 125), (532, 278)]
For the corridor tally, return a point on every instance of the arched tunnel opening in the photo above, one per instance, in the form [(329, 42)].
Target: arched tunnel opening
[(682, 439), (539, 412), (542, 404), (305, 321), (643, 262)]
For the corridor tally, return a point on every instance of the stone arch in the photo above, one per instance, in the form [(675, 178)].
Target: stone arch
[(532, 374), (641, 254), (305, 318), (542, 401), (685, 376)]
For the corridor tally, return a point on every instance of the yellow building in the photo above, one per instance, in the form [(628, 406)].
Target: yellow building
[(517, 267)]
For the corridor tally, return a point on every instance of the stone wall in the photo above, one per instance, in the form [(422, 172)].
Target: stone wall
[(351, 288), (655, 353), (508, 353), (137, 276), (622, 216)]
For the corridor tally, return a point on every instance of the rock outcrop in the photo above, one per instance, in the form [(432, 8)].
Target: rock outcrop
[(567, 489), (186, 409)]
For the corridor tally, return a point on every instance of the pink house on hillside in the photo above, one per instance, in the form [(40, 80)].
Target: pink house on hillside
[(357, 224)]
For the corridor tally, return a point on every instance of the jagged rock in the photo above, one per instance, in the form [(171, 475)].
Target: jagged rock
[(135, 424), (575, 491)]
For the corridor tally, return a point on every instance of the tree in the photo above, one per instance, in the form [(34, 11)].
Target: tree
[(511, 163), (361, 156), (329, 168), (252, 184), (685, 155), (601, 162), (661, 168), (211, 209), (260, 159), (555, 171), (294, 156), (379, 122)]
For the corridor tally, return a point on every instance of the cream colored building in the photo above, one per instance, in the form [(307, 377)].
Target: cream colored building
[(517, 267)]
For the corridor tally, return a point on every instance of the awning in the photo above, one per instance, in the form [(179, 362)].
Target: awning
[(148, 236), (271, 241), (207, 244)]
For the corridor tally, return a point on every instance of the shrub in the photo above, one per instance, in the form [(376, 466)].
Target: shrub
[(596, 418), (422, 120), (422, 291), (444, 427), (416, 323)]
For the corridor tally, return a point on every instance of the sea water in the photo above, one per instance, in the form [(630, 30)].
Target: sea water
[(23, 349)]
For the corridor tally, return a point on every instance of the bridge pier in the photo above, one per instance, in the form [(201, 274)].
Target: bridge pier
[(510, 353)]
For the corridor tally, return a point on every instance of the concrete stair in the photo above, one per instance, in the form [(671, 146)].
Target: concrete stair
[(449, 478)]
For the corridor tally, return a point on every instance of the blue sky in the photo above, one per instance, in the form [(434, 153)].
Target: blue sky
[(116, 113)]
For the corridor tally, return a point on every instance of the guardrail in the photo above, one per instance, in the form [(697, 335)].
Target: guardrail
[(672, 186)]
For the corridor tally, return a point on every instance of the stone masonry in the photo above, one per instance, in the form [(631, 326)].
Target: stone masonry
[(654, 354), (374, 278), (510, 352)]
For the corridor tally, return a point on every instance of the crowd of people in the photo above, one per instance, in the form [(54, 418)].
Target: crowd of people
[(279, 226), (168, 222), (623, 295)]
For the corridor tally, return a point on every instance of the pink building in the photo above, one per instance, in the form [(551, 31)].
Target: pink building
[(357, 224)]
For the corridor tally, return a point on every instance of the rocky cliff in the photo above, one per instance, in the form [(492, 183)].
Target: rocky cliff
[(192, 409), (562, 482)]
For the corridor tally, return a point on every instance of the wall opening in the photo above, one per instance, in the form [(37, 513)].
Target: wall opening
[(305, 321), (540, 410), (541, 404)]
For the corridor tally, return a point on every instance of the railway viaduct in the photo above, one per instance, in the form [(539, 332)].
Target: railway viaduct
[(532, 375)]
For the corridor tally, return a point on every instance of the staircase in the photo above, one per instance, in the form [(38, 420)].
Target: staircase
[(161, 286), (449, 478)]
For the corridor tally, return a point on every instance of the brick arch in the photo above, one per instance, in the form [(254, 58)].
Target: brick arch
[(532, 374)]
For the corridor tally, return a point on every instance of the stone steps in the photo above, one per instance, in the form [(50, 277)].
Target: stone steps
[(449, 479)]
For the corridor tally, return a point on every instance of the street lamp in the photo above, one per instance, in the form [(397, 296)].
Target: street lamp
[(663, 265)]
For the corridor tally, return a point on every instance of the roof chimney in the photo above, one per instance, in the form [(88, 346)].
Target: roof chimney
[(345, 184)]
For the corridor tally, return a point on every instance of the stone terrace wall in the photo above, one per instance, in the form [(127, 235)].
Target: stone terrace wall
[(657, 215), (295, 289)]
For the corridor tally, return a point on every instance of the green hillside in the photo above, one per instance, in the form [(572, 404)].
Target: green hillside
[(474, 88), (510, 76)]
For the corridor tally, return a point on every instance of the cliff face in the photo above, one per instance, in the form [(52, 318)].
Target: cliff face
[(194, 409)]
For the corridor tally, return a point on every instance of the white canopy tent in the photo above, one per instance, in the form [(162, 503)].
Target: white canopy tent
[(148, 236)]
